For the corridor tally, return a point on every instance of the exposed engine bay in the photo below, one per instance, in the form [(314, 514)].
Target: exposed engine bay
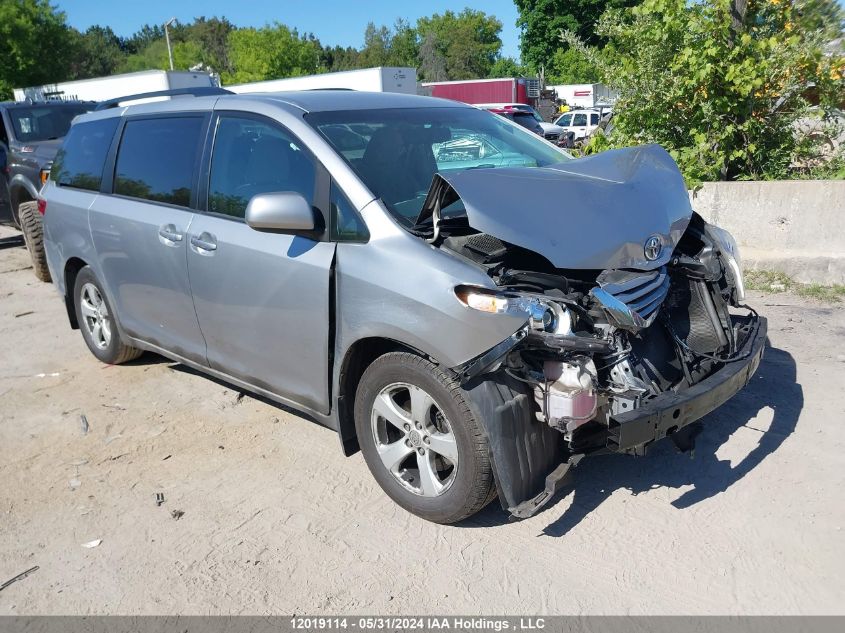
[(635, 326), (600, 343), (613, 358)]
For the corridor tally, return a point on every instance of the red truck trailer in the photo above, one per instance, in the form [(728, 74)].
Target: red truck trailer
[(508, 90)]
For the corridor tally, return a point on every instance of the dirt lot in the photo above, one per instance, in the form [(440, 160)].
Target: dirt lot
[(273, 519)]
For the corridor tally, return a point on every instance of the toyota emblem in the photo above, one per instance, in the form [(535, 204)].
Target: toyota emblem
[(652, 247)]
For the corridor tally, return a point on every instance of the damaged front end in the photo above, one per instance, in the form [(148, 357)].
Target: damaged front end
[(611, 358)]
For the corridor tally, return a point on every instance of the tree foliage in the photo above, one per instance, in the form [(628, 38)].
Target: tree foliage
[(541, 21), (719, 83), (569, 66), (468, 42), (506, 67), (32, 32), (96, 53), (388, 47), (268, 53), (42, 48)]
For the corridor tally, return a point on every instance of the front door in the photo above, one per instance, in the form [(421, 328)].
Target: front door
[(579, 124), (262, 299), (140, 231)]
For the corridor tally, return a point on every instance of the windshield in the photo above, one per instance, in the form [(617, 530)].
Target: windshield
[(43, 123), (396, 152)]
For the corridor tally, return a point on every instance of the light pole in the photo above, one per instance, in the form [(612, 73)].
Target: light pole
[(167, 37)]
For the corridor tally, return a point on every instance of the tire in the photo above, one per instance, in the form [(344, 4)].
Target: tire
[(92, 310), (33, 234), (454, 480)]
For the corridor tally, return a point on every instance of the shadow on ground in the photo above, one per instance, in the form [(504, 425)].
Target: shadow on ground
[(195, 372), (774, 385)]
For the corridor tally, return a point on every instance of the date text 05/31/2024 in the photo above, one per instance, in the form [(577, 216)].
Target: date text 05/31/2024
[(456, 623)]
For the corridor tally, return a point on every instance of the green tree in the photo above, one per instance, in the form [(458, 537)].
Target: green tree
[(432, 65), (154, 57), (541, 21), (212, 37), (404, 45), (719, 83), (337, 58), (98, 52), (389, 47), (376, 50), (467, 43), (271, 52), (37, 45), (506, 67), (143, 37), (569, 66)]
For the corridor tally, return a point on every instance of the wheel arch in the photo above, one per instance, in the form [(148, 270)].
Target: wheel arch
[(72, 268), (357, 358), (20, 191)]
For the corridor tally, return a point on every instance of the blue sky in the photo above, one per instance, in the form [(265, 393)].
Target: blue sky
[(332, 21)]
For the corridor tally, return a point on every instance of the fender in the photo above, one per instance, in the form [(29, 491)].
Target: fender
[(17, 185), (19, 180)]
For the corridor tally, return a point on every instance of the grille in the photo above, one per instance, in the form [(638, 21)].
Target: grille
[(632, 298), (551, 136)]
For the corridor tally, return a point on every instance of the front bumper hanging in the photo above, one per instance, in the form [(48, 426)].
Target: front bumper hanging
[(672, 411)]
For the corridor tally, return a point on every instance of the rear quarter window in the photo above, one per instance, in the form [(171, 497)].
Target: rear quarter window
[(82, 157)]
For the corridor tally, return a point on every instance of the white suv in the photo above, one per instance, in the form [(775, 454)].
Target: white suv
[(581, 122)]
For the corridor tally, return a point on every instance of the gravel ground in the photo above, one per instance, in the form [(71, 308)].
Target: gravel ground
[(263, 515)]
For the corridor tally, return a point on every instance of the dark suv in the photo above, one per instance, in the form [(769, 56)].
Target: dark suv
[(30, 136)]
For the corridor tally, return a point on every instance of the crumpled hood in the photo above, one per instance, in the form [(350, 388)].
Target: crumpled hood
[(591, 213)]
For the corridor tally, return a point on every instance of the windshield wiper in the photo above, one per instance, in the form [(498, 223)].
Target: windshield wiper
[(484, 166)]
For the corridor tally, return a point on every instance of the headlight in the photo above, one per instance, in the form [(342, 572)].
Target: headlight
[(727, 244), (543, 315)]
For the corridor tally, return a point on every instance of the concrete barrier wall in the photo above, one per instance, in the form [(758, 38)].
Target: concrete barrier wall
[(794, 226)]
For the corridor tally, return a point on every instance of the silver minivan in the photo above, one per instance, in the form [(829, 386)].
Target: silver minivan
[(462, 301)]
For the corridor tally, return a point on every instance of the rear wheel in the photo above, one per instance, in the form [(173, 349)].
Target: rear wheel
[(33, 234), (421, 440), (96, 321)]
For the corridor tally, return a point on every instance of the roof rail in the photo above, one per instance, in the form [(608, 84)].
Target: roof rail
[(197, 91)]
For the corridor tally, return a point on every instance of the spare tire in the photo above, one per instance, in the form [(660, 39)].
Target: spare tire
[(33, 234)]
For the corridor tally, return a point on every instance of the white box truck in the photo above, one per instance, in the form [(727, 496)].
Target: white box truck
[(381, 79), (104, 88), (585, 95)]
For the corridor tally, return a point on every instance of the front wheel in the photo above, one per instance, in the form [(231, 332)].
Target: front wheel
[(96, 321), (421, 440)]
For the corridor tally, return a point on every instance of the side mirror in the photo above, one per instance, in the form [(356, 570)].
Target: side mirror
[(283, 211)]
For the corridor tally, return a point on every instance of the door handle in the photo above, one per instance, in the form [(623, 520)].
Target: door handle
[(204, 243), (169, 235)]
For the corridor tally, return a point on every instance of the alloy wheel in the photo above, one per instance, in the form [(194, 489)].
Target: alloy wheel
[(95, 314), (414, 439)]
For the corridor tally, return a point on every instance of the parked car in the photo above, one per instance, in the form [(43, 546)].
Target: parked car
[(551, 132), (524, 119), (30, 134), (464, 302), (582, 123)]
